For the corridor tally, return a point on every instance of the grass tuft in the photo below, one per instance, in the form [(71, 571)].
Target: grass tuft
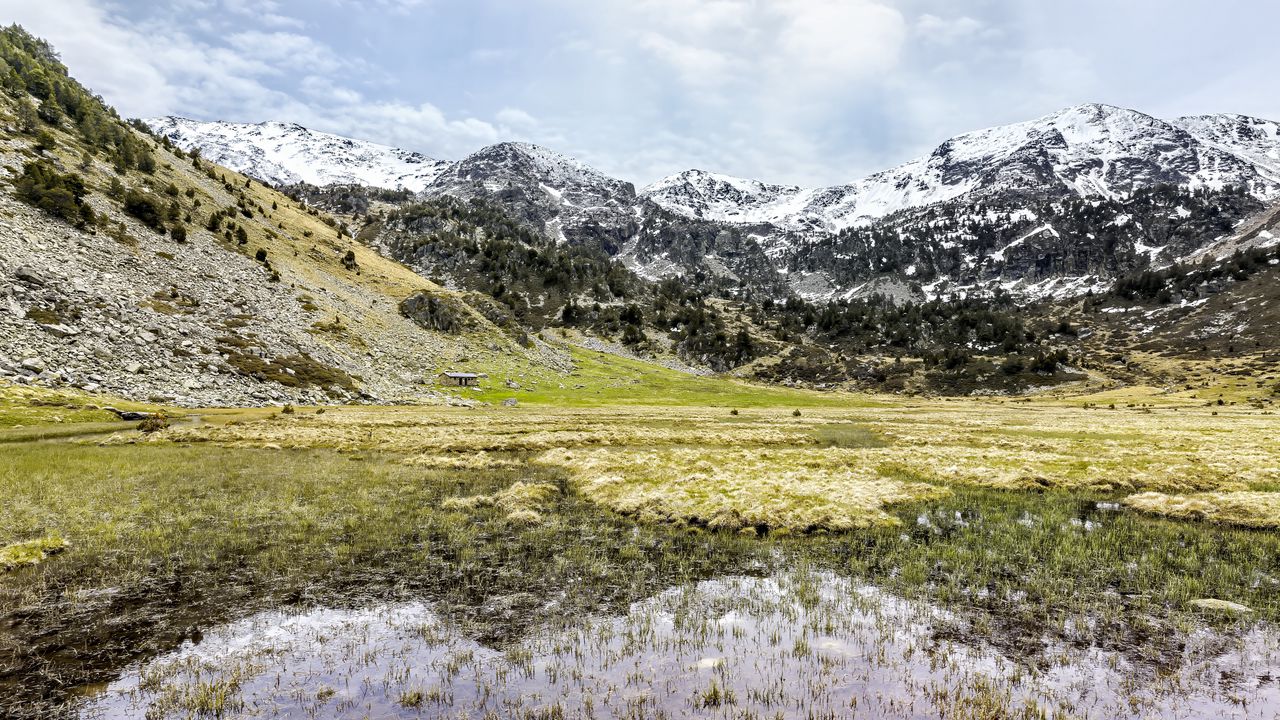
[(31, 552), (1246, 509)]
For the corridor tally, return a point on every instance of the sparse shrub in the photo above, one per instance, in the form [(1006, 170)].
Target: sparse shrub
[(287, 409), (60, 195), (178, 232), (444, 314), (28, 120), (154, 423), (45, 141), (795, 413), (145, 207), (50, 112), (1012, 365)]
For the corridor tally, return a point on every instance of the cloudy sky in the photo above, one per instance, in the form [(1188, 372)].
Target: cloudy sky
[(798, 91)]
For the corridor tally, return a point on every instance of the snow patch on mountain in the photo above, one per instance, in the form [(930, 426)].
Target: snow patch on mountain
[(285, 153), (1254, 140)]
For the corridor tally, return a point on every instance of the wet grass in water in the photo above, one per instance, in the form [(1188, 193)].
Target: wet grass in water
[(1029, 566), (167, 540)]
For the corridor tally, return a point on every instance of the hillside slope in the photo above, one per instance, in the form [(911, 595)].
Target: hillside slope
[(188, 283)]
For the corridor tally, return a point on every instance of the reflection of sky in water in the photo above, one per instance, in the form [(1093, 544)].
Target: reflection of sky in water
[(794, 645)]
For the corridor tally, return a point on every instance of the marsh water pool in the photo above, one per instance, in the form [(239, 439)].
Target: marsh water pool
[(793, 645)]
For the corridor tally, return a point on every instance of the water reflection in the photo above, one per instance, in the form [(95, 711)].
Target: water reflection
[(797, 645)]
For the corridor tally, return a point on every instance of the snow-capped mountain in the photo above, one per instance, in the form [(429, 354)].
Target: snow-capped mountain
[(553, 192), (285, 153), (1090, 151), (1064, 201)]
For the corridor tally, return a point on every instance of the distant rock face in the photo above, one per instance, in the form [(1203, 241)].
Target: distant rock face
[(553, 192), (780, 238)]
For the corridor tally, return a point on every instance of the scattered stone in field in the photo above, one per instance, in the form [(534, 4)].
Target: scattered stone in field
[(60, 330), (1224, 606), (510, 402)]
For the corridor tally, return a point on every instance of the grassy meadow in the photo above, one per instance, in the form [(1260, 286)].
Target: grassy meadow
[(1126, 523)]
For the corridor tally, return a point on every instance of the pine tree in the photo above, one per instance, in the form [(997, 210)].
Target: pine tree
[(28, 120)]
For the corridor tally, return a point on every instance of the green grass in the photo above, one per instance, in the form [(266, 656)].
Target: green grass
[(164, 537), (607, 379), (24, 433), (27, 406), (30, 552)]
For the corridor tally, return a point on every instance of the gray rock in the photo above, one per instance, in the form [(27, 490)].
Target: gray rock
[(60, 330), (33, 365), (29, 276), (1222, 606)]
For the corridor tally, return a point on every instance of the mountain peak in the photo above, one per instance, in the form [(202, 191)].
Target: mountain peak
[(283, 152), (510, 160)]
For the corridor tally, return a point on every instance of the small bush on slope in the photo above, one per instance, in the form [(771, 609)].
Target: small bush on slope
[(59, 194)]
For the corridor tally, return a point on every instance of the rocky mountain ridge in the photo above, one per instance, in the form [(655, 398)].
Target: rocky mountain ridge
[(769, 237), (1087, 151)]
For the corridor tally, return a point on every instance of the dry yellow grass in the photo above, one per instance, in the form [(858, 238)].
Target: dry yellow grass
[(831, 467), (443, 431), (1249, 509), (789, 489)]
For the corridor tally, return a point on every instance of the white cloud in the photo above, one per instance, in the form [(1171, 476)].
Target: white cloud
[(767, 45), (516, 117), (324, 90), (841, 39), (157, 68), (284, 50), (795, 91), (698, 67)]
